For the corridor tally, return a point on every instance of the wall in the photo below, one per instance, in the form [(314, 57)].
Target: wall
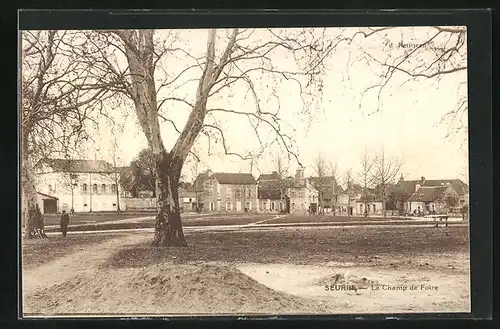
[(265, 205), (360, 208)]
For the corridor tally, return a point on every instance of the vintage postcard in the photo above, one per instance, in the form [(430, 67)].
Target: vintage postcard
[(244, 171)]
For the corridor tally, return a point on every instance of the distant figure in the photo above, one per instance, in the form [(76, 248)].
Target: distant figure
[(366, 213), (72, 211), (64, 223)]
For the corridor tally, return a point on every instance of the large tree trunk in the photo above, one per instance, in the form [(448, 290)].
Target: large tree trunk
[(31, 216), (168, 229)]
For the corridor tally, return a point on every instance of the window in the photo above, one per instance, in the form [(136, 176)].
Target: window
[(94, 188), (293, 205), (249, 205), (248, 193), (114, 204), (113, 188), (360, 208), (228, 192), (273, 206), (281, 206), (229, 206), (264, 205), (84, 188), (237, 193), (103, 188), (85, 205), (292, 194)]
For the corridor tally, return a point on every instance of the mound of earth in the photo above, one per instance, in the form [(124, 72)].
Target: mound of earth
[(166, 289)]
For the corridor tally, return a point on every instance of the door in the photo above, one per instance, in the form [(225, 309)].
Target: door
[(238, 205), (49, 206)]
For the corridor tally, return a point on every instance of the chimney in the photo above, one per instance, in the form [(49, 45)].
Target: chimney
[(422, 179), (299, 173), (417, 186)]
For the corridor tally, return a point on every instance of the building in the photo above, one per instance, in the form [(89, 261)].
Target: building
[(230, 192), (81, 185), (371, 203), (328, 192), (303, 197), (346, 201), (404, 189), (272, 193), (432, 199), (48, 204), (187, 199)]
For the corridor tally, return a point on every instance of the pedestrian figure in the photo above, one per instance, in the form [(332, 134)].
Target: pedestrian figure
[(64, 223)]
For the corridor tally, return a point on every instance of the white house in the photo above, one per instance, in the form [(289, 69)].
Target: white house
[(303, 196), (82, 185)]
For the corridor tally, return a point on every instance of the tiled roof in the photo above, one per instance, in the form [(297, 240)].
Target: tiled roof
[(408, 186), (266, 177), (369, 198), (427, 194), (459, 186), (47, 196), (80, 166), (234, 178)]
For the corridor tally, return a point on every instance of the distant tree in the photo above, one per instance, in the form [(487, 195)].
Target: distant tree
[(366, 176), (450, 198), (349, 189), (143, 168), (385, 171), (336, 189), (282, 171), (321, 181)]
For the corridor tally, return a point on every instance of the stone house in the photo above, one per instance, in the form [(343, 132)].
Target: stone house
[(230, 192), (272, 193), (303, 197)]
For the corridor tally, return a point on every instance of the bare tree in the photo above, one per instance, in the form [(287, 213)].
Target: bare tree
[(349, 189), (336, 189), (242, 60), (57, 99), (282, 171), (385, 172), (366, 176), (437, 53), (322, 181)]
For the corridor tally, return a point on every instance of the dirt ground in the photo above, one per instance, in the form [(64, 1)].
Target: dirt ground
[(382, 270)]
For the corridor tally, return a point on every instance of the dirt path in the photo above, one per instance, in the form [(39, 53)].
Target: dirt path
[(84, 262)]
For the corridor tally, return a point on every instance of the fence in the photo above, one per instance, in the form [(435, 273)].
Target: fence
[(140, 204)]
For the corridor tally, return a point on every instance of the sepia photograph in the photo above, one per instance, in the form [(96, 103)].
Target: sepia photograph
[(244, 171)]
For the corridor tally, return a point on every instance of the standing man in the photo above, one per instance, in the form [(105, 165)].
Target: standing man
[(64, 223)]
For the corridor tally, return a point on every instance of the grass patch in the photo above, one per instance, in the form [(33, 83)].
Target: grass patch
[(329, 218), (83, 218), (302, 246), (150, 223), (36, 252)]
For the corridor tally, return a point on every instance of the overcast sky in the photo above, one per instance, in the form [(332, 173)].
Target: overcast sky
[(343, 127)]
